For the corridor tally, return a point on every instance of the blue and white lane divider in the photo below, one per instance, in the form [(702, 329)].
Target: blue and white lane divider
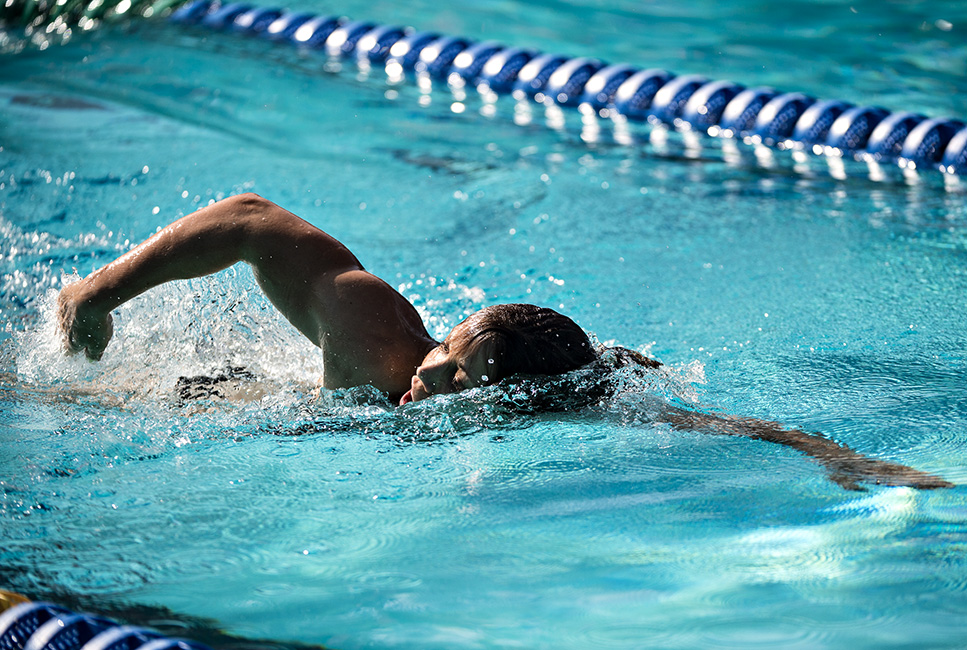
[(760, 115), (43, 626)]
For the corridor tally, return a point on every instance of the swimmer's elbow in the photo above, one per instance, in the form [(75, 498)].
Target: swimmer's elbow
[(248, 210), (251, 202), (253, 224)]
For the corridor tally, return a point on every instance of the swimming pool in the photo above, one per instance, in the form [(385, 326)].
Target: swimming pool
[(834, 305)]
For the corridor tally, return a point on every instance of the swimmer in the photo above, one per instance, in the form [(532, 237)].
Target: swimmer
[(370, 334)]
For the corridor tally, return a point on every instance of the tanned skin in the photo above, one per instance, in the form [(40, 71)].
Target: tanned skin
[(368, 332)]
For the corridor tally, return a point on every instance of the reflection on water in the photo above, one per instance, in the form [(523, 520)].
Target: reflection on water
[(772, 286)]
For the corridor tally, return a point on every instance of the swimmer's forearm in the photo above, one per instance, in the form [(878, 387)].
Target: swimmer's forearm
[(242, 228), (193, 246), (845, 465)]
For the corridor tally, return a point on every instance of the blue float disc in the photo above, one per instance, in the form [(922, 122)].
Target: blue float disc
[(406, 51), (928, 140), (888, 136), (778, 117), (955, 155), (256, 21), (672, 97), (468, 64), (600, 89), (436, 57), (193, 11), (225, 15), (285, 25), (740, 114), (375, 44), (501, 70), (534, 75), (634, 97), (566, 85), (704, 108), (852, 129), (342, 41), (314, 32), (814, 124)]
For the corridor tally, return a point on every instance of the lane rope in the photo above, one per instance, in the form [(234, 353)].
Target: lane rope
[(761, 116), (45, 626), (757, 115)]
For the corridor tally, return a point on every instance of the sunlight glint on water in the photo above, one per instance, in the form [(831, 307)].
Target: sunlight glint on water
[(331, 517)]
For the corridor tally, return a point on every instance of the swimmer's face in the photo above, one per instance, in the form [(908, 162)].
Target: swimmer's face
[(456, 364)]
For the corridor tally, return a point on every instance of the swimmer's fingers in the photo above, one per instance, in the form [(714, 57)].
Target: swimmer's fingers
[(66, 313), (93, 341), (901, 475), (81, 328)]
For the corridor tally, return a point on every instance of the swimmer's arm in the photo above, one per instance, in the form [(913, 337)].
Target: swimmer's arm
[(287, 253), (846, 466)]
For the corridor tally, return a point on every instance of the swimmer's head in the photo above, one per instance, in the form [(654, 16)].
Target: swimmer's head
[(498, 342)]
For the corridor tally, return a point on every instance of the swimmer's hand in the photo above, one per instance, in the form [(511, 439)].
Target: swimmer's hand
[(83, 326), (848, 469)]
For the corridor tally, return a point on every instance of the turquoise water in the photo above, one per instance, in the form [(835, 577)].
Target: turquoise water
[(770, 290)]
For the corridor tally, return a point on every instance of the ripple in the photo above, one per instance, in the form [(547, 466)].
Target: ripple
[(274, 589), (744, 631), (513, 475), (152, 329), (286, 450), (383, 581), (622, 636)]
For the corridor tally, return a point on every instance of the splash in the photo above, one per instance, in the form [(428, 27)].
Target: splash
[(29, 263), (216, 347), (182, 329)]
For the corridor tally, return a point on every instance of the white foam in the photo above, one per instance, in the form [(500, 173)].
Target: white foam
[(181, 329)]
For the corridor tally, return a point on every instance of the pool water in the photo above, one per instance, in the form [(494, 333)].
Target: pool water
[(828, 302)]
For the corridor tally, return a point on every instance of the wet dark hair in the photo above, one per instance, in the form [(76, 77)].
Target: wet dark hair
[(528, 342)]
